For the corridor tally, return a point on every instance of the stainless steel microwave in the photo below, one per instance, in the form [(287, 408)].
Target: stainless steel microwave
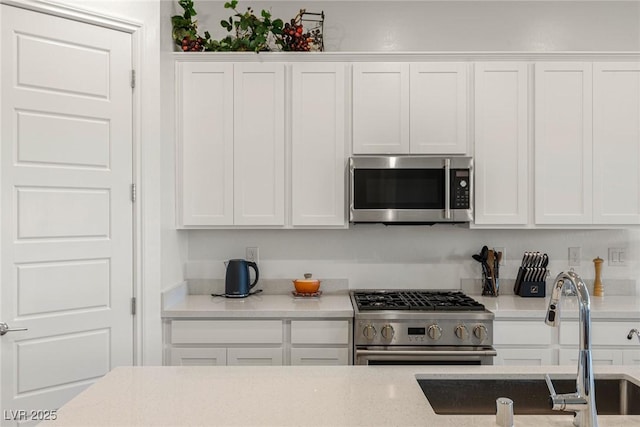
[(410, 189)]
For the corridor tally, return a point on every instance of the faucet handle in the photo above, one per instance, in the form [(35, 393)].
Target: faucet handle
[(552, 390), (554, 402)]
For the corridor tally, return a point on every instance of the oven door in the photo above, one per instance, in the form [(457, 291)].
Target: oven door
[(424, 355)]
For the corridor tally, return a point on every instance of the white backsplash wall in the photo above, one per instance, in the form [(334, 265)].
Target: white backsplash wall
[(375, 256), (356, 26)]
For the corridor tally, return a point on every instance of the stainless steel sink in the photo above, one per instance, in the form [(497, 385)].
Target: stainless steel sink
[(477, 396)]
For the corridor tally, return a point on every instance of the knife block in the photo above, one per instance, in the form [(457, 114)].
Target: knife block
[(533, 289), (523, 288)]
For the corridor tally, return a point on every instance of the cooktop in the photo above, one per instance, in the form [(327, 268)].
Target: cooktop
[(416, 300)]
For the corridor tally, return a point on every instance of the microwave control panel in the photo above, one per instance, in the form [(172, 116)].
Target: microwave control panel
[(461, 189)]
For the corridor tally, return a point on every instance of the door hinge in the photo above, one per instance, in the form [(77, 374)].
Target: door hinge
[(133, 79), (134, 194), (133, 306)]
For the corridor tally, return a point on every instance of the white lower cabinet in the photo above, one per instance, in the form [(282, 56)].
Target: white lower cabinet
[(258, 342), (532, 342), (320, 342), (523, 342), (610, 343)]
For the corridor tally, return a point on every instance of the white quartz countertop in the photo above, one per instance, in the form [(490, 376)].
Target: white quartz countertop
[(338, 304), (606, 307), (261, 305), (296, 396)]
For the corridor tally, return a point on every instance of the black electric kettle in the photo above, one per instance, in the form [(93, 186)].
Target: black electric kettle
[(237, 282)]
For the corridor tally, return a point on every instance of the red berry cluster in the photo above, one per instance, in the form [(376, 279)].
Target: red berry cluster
[(192, 45), (294, 37)]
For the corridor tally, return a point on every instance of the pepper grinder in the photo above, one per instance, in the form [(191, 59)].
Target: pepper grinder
[(598, 289)]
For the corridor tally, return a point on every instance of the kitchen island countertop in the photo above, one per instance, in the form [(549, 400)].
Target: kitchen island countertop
[(295, 396)]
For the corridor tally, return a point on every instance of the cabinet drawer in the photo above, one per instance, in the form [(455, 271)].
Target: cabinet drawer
[(226, 331), (319, 332), (602, 333), (198, 356), (524, 356), (600, 356), (521, 333), (254, 356), (319, 356)]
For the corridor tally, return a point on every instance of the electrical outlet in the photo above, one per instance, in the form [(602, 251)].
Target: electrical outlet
[(617, 257), (574, 256), (503, 260), (252, 254)]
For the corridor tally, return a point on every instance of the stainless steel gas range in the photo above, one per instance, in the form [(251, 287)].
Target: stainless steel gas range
[(417, 327)]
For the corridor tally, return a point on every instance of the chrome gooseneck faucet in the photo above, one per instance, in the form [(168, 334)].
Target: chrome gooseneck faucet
[(583, 401), (632, 333)]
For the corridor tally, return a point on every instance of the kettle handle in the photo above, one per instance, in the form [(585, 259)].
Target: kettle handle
[(255, 268)]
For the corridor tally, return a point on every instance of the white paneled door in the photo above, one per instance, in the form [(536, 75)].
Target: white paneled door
[(67, 216)]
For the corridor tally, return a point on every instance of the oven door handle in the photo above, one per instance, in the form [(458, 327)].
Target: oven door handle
[(487, 352), (447, 188)]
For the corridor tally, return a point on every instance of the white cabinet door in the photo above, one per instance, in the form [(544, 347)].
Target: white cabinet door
[(204, 128), (320, 331), (616, 143), (254, 356), (319, 356), (524, 356), (198, 356), (380, 108), (318, 144), (438, 108), (563, 143), (510, 332), (258, 144), (501, 143)]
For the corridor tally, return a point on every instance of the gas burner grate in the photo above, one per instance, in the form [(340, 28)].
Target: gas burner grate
[(416, 300)]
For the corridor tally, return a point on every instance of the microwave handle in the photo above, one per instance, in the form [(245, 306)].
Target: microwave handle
[(447, 188)]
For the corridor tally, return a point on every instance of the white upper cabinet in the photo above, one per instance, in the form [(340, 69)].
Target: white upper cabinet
[(501, 143), (563, 143), (230, 132), (204, 131), (616, 143), (318, 157), (438, 108), (239, 164), (258, 144), (380, 108), (402, 108)]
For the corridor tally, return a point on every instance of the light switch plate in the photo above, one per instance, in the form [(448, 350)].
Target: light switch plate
[(575, 254), (617, 257), (251, 254)]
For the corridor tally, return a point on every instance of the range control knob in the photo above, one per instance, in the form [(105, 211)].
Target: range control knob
[(435, 332), (387, 332), (480, 331), (369, 332), (462, 332)]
